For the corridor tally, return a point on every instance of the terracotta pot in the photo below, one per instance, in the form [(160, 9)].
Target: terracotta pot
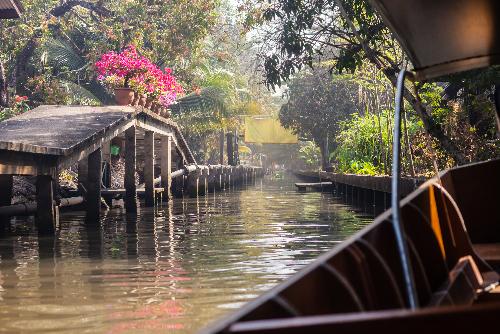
[(142, 100), (149, 103), (137, 97), (124, 96)]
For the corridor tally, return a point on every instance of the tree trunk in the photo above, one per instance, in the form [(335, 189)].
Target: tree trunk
[(4, 94), (323, 148), (422, 110)]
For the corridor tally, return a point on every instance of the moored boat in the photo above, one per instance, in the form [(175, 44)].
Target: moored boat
[(432, 262)]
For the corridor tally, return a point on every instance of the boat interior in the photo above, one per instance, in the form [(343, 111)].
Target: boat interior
[(451, 224)]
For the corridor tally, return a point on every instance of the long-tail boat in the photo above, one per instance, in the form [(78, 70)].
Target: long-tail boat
[(432, 262)]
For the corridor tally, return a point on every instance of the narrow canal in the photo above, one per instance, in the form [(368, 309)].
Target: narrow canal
[(172, 269)]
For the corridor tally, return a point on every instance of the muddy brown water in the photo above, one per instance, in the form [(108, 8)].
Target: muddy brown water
[(173, 269)]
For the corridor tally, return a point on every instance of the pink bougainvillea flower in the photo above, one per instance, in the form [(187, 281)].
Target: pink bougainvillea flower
[(129, 68)]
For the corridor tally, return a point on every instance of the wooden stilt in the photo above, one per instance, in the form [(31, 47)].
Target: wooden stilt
[(149, 142), (5, 196), (166, 166), (45, 218), (230, 149), (130, 159), (221, 148), (94, 186), (5, 190), (193, 183), (83, 172), (106, 158)]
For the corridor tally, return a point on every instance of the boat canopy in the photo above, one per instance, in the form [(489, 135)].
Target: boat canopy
[(445, 36), (10, 9)]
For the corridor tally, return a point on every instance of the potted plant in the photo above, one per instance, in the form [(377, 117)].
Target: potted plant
[(117, 70)]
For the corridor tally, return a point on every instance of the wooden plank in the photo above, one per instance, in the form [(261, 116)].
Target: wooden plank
[(20, 163), (130, 162), (94, 187), (122, 191), (149, 143), (166, 165), (317, 185), (46, 214)]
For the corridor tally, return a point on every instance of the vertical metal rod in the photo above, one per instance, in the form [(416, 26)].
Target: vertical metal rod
[(396, 211)]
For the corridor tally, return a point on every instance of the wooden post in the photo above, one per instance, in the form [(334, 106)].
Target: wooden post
[(6, 183), (149, 152), (221, 148), (203, 182), (94, 187), (130, 159), (230, 149), (236, 149), (379, 201), (166, 166), (45, 213), (106, 157), (83, 169), (193, 183)]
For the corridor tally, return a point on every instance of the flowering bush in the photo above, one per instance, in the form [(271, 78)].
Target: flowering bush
[(130, 70), (17, 106)]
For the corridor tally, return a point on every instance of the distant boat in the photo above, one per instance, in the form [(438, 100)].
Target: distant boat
[(450, 225)]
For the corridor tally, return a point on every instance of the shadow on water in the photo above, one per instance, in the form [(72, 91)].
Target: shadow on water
[(174, 268)]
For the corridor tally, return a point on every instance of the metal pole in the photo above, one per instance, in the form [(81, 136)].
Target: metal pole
[(396, 211)]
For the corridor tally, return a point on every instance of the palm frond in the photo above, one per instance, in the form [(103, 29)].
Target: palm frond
[(61, 55), (79, 94)]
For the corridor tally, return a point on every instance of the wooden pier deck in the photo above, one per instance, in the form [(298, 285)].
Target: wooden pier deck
[(48, 139)]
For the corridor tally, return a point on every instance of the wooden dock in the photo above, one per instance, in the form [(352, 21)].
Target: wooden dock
[(48, 139), (316, 186)]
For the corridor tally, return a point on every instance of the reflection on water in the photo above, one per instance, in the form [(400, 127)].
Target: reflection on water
[(170, 269)]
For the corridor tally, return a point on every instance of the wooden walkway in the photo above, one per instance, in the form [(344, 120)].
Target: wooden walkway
[(55, 137), (48, 139)]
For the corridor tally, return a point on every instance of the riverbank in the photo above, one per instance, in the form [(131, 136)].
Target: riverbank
[(374, 183)]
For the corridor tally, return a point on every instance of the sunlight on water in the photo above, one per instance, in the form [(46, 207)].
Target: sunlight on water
[(172, 269)]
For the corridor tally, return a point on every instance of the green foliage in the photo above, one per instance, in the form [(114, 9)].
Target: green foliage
[(58, 40), (310, 154), (316, 105), (359, 144), (363, 142), (18, 106)]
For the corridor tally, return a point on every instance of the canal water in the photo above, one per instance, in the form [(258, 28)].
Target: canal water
[(172, 269)]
